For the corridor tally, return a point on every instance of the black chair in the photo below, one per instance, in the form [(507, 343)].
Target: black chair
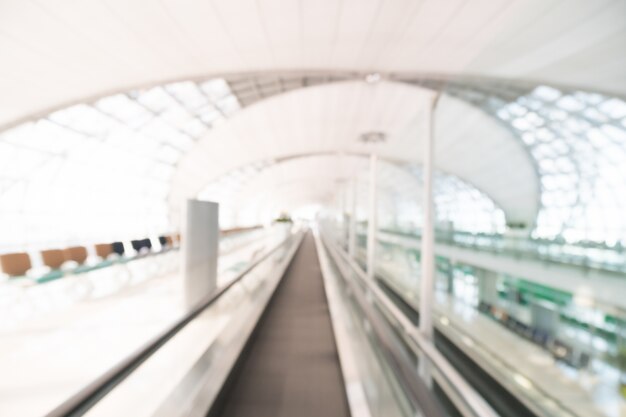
[(140, 244), (118, 247), (137, 244), (163, 241)]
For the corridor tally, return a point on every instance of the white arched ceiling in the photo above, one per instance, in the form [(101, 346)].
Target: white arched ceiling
[(252, 195), (60, 52), (330, 119), (125, 148), (287, 185)]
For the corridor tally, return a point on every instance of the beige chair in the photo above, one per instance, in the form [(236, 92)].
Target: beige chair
[(15, 264), (103, 250), (170, 241), (77, 254), (53, 258)]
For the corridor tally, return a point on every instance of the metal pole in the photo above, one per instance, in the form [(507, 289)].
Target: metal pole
[(352, 231), (428, 241), (345, 226), (371, 221)]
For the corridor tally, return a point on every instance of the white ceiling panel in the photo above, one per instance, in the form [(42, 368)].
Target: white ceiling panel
[(60, 52)]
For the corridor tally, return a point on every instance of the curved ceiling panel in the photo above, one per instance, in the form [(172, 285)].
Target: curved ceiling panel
[(65, 52), (331, 118), (255, 194), (512, 135)]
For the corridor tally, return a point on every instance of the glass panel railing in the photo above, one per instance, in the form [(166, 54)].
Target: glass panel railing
[(588, 255), (549, 372), (184, 376), (423, 383), (371, 384)]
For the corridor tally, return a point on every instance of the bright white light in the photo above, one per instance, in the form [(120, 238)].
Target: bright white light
[(581, 162), (469, 342), (308, 213), (522, 381), (372, 78)]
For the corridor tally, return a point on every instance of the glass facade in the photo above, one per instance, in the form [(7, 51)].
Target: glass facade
[(102, 170), (578, 142)]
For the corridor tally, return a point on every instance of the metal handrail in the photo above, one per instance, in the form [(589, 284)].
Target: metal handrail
[(475, 403), (563, 408), (82, 401), (419, 395), (522, 247)]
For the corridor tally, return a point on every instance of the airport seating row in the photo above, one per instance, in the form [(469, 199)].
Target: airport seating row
[(76, 259)]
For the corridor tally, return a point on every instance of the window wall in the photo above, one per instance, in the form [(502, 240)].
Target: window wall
[(101, 170), (578, 142)]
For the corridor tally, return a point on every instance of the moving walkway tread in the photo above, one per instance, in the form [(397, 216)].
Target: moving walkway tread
[(290, 366)]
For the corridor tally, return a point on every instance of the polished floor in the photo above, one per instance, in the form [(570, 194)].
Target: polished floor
[(57, 337), (533, 372), (292, 366)]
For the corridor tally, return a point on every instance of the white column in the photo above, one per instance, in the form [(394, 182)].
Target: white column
[(427, 278), (371, 221), (200, 250), (352, 231), (487, 286), (345, 226)]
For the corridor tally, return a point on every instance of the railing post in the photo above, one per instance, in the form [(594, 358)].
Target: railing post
[(427, 279), (200, 250), (352, 231), (346, 209), (372, 217), (427, 251)]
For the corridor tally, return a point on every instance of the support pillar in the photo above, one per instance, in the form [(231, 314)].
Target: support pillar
[(345, 221), (427, 278), (352, 228), (200, 250), (372, 217), (488, 286), (450, 277)]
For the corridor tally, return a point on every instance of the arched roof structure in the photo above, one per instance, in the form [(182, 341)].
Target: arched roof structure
[(176, 95), (62, 52)]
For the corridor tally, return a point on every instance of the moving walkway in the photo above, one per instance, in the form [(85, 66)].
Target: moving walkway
[(290, 365), (268, 344)]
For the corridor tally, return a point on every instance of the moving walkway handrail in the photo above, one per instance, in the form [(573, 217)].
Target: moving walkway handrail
[(418, 393), (560, 408), (82, 401), (472, 400)]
